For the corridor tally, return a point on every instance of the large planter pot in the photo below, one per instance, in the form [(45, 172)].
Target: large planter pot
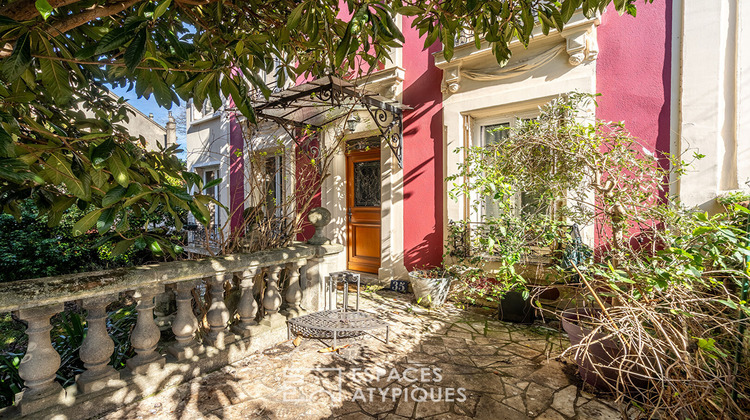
[(430, 290), (514, 308), (603, 364)]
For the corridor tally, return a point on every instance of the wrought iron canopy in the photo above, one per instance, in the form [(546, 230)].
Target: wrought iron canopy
[(319, 102)]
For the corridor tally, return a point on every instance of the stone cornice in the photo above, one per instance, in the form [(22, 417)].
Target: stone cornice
[(385, 83), (580, 44)]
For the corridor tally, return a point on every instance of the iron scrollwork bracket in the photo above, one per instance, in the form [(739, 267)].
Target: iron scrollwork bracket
[(392, 131)]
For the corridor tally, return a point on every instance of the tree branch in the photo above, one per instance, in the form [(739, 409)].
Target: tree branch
[(73, 21), (26, 9)]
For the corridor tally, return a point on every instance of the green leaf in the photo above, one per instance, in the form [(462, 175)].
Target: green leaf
[(102, 152), (114, 195), (74, 185), (162, 92), (241, 101), (129, 202), (86, 222), (122, 246), (211, 183), (295, 16), (136, 50), (119, 170), (161, 8), (342, 50), (409, 10), (7, 148), (727, 303), (15, 170), (98, 177), (200, 212), (191, 178), (56, 80), (44, 8), (20, 58), (106, 219), (156, 248), (118, 37)]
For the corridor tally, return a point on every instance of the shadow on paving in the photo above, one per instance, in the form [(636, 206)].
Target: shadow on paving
[(445, 364)]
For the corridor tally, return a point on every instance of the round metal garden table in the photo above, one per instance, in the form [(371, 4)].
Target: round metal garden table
[(335, 322)]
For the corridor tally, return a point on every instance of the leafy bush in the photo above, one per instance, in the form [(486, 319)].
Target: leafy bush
[(31, 249), (69, 330)]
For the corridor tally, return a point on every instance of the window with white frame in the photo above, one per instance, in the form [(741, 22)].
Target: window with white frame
[(274, 169), (208, 175), (491, 131), (201, 111)]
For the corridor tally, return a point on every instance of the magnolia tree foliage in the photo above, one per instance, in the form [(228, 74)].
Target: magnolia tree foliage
[(61, 142)]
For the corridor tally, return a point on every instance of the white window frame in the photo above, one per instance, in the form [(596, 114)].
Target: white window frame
[(478, 140), (217, 189)]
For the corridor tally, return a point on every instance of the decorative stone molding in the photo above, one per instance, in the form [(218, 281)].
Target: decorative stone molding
[(452, 79), (386, 83), (579, 36), (581, 44)]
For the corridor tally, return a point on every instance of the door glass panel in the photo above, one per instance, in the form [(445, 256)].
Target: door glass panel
[(367, 184)]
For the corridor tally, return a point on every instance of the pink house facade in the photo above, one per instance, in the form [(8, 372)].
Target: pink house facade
[(678, 75)]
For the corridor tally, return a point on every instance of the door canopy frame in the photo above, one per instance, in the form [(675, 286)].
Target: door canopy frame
[(319, 102)]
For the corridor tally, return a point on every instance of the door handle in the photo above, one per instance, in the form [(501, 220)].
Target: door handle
[(349, 214)]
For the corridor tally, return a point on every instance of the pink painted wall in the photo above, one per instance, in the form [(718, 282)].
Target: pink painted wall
[(423, 153), (308, 183), (236, 174), (633, 71), (633, 74)]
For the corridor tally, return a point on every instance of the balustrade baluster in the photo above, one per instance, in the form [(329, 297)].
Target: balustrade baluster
[(97, 347), (185, 323), (39, 366), (248, 307), (293, 291), (272, 298), (146, 334), (218, 314)]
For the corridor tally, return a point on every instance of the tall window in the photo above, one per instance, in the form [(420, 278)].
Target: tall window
[(493, 131), (213, 192), (274, 186)]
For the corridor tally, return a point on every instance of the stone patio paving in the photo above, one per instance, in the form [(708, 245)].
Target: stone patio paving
[(446, 364)]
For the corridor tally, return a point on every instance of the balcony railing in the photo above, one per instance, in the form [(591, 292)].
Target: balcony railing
[(273, 285)]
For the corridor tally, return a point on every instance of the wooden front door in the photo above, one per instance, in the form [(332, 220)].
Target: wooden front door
[(363, 210)]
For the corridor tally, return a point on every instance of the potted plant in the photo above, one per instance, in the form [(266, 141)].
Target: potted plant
[(431, 285)]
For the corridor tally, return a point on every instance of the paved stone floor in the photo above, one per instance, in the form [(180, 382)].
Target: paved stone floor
[(446, 364)]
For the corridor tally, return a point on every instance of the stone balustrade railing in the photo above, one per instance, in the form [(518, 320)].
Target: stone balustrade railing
[(258, 323)]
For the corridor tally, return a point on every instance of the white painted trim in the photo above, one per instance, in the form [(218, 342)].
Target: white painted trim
[(674, 93), (206, 165)]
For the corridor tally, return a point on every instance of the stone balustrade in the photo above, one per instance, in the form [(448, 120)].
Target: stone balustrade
[(257, 323)]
